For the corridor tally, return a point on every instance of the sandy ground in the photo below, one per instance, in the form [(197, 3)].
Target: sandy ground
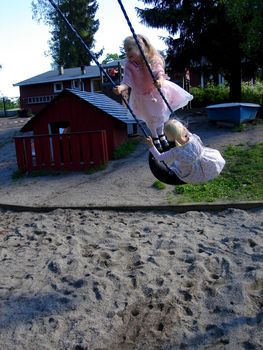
[(112, 280), (124, 182), (97, 280)]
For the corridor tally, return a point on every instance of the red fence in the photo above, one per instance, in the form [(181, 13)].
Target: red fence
[(71, 151)]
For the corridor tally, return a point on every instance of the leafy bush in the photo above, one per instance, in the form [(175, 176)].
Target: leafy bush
[(252, 93), (213, 94), (10, 103)]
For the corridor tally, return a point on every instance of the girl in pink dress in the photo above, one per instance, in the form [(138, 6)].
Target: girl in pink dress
[(145, 99)]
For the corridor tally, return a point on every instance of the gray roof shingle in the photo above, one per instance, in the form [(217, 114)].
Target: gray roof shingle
[(106, 104), (69, 74)]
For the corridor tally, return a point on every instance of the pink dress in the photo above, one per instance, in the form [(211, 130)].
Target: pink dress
[(145, 100)]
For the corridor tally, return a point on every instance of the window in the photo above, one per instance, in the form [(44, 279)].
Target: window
[(39, 99), (58, 87), (76, 84), (95, 85)]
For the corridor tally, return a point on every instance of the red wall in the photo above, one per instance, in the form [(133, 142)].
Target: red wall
[(81, 116), (45, 89)]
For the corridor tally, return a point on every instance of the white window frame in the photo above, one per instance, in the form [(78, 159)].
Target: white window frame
[(55, 86)]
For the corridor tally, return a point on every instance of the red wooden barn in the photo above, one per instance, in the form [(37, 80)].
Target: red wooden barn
[(77, 130)]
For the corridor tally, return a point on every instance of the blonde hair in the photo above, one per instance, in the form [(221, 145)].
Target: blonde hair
[(174, 131), (149, 50)]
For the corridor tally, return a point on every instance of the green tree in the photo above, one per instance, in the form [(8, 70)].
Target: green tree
[(205, 30), (112, 57), (247, 17), (65, 48)]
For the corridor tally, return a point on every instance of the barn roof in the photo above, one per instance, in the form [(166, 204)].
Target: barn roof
[(106, 104), (99, 100), (68, 74)]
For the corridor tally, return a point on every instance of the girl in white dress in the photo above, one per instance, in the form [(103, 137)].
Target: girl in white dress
[(191, 161)]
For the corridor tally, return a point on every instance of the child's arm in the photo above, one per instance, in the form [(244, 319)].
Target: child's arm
[(118, 89), (159, 74), (168, 156)]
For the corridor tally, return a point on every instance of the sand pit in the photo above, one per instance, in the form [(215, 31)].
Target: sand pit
[(114, 280), (94, 280)]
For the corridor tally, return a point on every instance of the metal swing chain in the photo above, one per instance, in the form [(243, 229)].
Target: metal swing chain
[(142, 53), (69, 25)]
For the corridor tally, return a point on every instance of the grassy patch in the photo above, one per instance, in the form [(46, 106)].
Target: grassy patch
[(93, 170), (159, 185), (241, 179), (18, 174), (125, 149), (240, 128), (38, 173)]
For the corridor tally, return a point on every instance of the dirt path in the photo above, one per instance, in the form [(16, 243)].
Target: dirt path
[(124, 182)]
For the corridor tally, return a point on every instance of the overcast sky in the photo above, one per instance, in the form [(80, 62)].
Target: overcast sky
[(24, 41)]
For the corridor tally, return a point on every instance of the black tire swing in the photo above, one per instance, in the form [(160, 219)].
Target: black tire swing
[(162, 172), (159, 169)]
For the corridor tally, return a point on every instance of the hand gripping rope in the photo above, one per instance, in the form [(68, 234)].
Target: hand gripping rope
[(159, 169)]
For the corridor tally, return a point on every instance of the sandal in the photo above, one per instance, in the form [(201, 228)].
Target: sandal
[(164, 143), (157, 144)]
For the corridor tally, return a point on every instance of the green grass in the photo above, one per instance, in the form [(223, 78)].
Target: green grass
[(125, 149), (241, 179), (18, 174), (159, 185), (93, 170)]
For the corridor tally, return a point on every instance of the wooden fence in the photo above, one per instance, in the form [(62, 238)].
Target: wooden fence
[(72, 151)]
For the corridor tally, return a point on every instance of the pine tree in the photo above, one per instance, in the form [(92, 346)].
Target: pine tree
[(205, 30), (65, 48)]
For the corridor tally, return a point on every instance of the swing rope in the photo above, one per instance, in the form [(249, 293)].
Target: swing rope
[(142, 53), (77, 34), (148, 67)]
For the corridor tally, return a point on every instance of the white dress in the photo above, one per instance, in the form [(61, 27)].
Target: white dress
[(192, 162)]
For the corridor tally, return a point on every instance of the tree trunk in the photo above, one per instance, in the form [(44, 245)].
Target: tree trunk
[(235, 82)]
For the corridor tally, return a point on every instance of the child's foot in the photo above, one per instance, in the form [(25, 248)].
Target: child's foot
[(157, 144), (164, 142)]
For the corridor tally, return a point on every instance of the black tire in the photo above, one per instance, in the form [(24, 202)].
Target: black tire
[(162, 173)]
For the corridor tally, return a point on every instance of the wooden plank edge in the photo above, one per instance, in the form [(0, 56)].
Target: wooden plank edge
[(182, 208)]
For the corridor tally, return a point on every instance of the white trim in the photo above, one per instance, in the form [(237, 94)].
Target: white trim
[(55, 86)]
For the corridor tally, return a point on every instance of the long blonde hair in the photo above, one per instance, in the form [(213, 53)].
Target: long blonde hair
[(148, 49), (174, 131)]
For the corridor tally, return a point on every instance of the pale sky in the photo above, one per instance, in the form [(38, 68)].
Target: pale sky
[(24, 41)]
